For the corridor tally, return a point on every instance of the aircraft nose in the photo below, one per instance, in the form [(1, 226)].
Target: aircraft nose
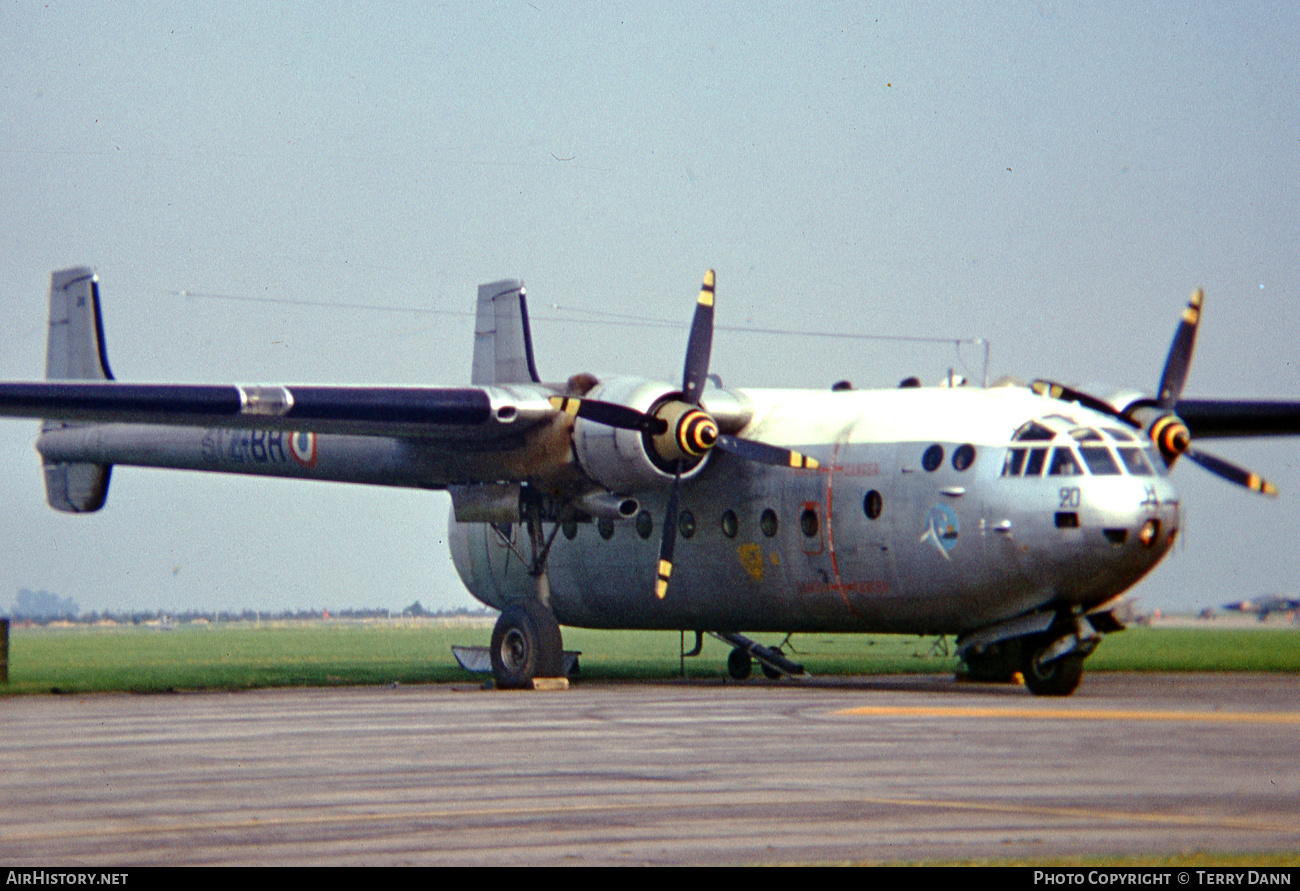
[(1135, 513)]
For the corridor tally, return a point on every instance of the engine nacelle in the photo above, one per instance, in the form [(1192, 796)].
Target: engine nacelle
[(630, 460)]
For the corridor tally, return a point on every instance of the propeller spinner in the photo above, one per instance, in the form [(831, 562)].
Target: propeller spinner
[(679, 433), (1158, 417)]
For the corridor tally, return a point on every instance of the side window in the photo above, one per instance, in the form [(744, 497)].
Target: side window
[(932, 458), (963, 457), (1015, 462)]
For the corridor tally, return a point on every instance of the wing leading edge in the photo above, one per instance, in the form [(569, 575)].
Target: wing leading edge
[(476, 413)]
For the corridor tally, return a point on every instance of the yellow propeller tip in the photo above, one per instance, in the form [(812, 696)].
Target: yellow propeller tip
[(706, 289), (661, 583), (566, 404)]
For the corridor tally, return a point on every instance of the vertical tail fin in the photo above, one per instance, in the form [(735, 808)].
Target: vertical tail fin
[(75, 351), (503, 344)]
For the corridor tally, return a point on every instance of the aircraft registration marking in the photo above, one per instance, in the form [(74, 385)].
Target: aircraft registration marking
[(245, 446), (223, 446), (1072, 714), (866, 468)]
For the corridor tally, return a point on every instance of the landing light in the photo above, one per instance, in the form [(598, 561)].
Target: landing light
[(1149, 532)]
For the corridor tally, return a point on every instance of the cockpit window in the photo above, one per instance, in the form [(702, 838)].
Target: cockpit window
[(1064, 463), (1099, 460), (1037, 458), (1136, 462), (1032, 431), (1078, 450), (1015, 462)]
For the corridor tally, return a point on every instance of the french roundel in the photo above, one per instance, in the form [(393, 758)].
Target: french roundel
[(303, 448)]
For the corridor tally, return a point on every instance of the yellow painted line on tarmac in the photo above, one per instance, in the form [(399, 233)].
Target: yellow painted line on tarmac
[(1067, 714)]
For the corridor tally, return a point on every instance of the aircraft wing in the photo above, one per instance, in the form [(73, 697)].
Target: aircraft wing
[(1209, 418), (466, 413)]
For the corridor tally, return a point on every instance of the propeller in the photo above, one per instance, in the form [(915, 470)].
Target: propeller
[(678, 431), (1158, 416)]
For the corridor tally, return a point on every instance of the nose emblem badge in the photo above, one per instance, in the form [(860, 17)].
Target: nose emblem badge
[(942, 529)]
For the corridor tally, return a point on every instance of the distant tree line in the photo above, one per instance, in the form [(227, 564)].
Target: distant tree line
[(42, 607)]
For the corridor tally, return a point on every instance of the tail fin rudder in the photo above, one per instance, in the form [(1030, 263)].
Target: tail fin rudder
[(503, 343), (75, 351), (75, 348)]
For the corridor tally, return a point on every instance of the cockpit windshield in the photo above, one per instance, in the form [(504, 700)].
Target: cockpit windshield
[(1077, 450)]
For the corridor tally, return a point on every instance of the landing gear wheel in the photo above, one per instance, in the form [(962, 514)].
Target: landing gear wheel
[(1060, 677), (997, 664), (526, 644), (739, 664), (768, 671)]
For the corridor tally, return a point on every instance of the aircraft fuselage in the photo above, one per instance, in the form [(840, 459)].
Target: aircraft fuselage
[(917, 521)]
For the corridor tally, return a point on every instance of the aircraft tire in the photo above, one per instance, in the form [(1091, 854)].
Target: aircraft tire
[(526, 644), (1060, 677), (739, 664)]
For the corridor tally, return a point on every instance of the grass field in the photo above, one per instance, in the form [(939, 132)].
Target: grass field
[(244, 655)]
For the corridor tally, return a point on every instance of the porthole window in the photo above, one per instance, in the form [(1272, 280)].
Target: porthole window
[(645, 524), (932, 458), (570, 529), (767, 522), (730, 524), (964, 457), (605, 526), (686, 524), (873, 504), (808, 522)]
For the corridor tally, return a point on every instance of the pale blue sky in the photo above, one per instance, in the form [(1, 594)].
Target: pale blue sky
[(1055, 178)]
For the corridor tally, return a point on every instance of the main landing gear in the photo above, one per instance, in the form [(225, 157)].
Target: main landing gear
[(526, 641), (526, 644)]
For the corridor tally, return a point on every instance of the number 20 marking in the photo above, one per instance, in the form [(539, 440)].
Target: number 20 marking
[(1070, 496)]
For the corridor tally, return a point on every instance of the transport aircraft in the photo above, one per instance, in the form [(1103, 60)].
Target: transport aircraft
[(1011, 516)]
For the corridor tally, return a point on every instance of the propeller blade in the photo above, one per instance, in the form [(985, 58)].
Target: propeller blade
[(1239, 417), (669, 541), (700, 344), (1172, 421), (1232, 473), (762, 453), (1069, 394), (1180, 353), (611, 414)]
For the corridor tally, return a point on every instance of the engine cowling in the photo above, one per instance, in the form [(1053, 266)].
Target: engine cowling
[(631, 460)]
